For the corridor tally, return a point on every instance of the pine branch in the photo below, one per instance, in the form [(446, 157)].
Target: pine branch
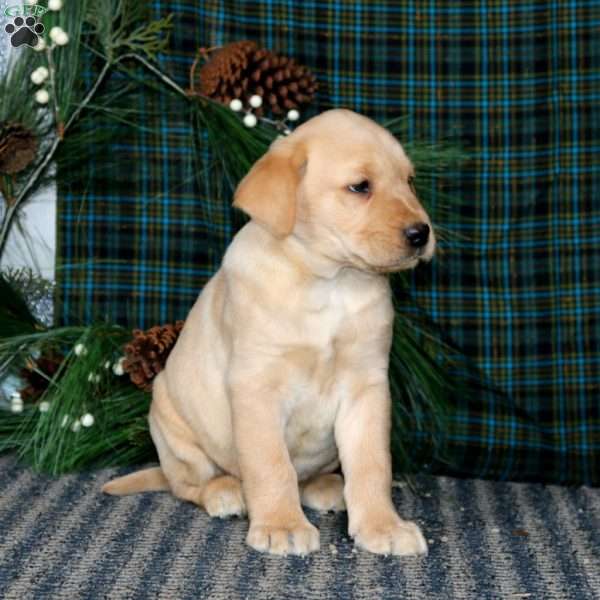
[(12, 209), (33, 179), (55, 104), (145, 39), (162, 76)]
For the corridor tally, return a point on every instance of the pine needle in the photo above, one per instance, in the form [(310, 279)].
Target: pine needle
[(58, 441)]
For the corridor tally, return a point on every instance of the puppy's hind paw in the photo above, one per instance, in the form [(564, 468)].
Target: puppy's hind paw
[(222, 497), (324, 493), (301, 538)]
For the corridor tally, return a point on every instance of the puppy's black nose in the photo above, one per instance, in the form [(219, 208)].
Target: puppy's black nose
[(417, 234)]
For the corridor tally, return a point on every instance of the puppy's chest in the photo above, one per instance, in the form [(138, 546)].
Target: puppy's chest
[(325, 313), (317, 369), (329, 345), (310, 411)]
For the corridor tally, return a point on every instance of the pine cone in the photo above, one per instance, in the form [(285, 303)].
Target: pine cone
[(18, 147), (242, 69), (48, 364), (146, 354)]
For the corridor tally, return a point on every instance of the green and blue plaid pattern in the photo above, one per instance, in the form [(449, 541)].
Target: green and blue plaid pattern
[(516, 287)]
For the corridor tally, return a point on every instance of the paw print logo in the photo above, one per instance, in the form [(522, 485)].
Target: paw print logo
[(24, 31)]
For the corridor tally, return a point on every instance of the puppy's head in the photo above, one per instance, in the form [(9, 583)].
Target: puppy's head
[(343, 185)]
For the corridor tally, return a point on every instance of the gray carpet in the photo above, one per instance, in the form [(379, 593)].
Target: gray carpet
[(63, 539)]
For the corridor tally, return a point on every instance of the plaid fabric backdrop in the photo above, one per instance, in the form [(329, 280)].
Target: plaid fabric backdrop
[(518, 287)]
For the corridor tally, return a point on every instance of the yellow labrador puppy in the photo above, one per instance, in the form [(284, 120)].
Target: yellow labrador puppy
[(281, 371)]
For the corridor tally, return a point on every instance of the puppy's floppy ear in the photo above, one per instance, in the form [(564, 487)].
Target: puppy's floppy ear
[(268, 192)]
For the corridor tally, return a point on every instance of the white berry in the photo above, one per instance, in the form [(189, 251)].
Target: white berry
[(17, 407), (58, 35), (76, 426), (44, 407), (236, 105), (41, 45), (250, 120), (62, 39), (39, 75), (80, 349), (293, 115), (42, 97), (16, 396), (56, 30), (87, 420), (118, 367), (255, 101), (55, 4)]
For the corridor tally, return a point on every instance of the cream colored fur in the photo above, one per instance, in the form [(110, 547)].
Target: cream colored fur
[(280, 374)]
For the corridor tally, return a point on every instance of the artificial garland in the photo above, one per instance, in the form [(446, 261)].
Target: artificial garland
[(146, 355), (80, 395), (43, 101), (243, 71)]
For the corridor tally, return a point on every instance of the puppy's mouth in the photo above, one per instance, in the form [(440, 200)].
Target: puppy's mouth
[(425, 254), (407, 262)]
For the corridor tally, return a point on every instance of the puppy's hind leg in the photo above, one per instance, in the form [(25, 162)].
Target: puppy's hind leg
[(191, 474)]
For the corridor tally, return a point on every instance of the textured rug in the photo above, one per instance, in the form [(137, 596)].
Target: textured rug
[(62, 538)]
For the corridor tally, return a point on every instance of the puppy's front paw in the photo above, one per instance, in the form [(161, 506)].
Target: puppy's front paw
[(390, 535), (299, 538)]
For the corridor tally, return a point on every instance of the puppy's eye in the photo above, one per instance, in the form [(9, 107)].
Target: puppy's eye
[(363, 187), (411, 183)]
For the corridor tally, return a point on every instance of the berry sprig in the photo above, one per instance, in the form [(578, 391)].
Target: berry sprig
[(251, 120)]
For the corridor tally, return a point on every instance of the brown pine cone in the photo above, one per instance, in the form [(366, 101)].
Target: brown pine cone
[(18, 148), (242, 69), (37, 373), (147, 353)]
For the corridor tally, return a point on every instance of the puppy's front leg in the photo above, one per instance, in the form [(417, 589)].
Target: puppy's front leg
[(270, 483), (363, 437)]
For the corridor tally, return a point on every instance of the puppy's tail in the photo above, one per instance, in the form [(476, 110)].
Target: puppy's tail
[(148, 480)]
